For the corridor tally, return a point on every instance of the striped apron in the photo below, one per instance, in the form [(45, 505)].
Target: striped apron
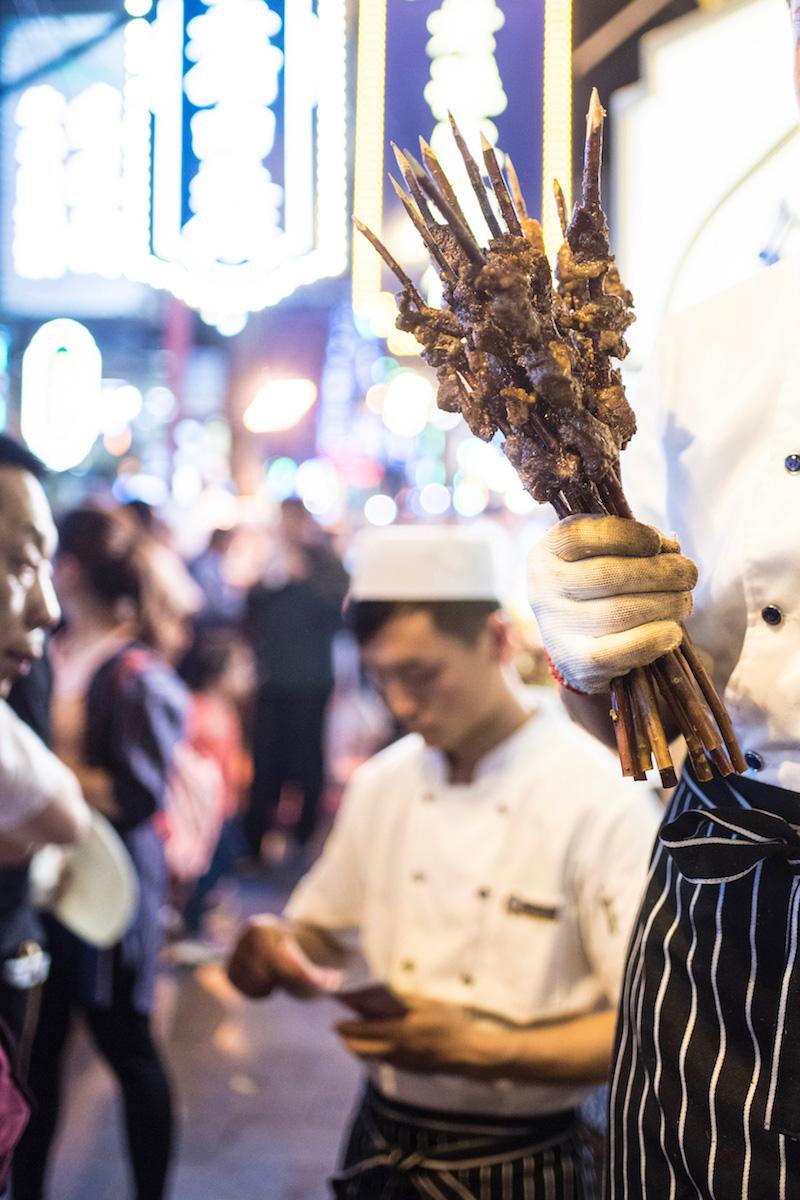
[(401, 1152), (704, 1098)]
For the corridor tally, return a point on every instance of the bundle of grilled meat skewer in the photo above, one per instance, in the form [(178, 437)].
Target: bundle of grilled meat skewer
[(530, 358)]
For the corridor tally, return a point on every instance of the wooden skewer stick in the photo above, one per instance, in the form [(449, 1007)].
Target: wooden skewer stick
[(413, 185), (714, 743), (422, 230), (500, 189), (475, 179), (703, 678), (643, 749), (561, 206), (610, 488), (624, 729), (459, 228), (516, 191), (648, 706), (390, 262), (693, 721), (433, 166), (671, 697), (699, 715), (593, 153)]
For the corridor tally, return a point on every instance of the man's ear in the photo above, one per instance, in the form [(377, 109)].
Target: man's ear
[(501, 631)]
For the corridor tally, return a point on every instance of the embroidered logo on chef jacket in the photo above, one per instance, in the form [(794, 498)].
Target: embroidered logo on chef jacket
[(518, 907)]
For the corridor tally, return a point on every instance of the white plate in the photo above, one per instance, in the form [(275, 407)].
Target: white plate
[(100, 891)]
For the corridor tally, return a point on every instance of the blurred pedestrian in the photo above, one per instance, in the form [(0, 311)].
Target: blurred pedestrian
[(219, 672), (292, 615), (223, 601), (118, 713)]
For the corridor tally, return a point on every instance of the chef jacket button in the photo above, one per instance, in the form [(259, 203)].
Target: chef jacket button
[(754, 760), (407, 964), (772, 614), (483, 893), (467, 979), (792, 463), (418, 877), (502, 809), (428, 796)]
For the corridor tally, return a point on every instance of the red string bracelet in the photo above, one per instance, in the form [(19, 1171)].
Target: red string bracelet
[(554, 671)]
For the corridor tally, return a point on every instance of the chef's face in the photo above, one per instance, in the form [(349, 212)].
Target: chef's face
[(434, 683), (28, 604)]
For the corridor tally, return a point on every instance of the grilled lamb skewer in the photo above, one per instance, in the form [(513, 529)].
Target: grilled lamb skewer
[(531, 361)]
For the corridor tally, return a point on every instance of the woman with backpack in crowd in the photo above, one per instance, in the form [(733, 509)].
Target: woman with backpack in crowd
[(118, 714)]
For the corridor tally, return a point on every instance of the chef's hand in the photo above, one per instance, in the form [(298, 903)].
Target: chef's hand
[(268, 955), (609, 594), (432, 1037)]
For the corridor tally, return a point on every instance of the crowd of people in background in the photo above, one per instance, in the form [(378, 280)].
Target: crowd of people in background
[(181, 705)]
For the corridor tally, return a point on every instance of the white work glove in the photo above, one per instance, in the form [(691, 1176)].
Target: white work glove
[(609, 595)]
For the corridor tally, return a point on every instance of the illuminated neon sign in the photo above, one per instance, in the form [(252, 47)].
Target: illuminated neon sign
[(247, 191), (215, 168)]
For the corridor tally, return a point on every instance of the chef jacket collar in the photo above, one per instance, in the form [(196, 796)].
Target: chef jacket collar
[(436, 768)]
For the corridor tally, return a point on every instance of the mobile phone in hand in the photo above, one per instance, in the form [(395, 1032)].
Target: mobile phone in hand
[(373, 1001)]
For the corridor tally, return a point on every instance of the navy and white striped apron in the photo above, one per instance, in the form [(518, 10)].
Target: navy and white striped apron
[(705, 1091), (401, 1152)]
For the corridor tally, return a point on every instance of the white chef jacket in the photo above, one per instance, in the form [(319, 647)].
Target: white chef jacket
[(512, 895), (717, 461), (31, 777)]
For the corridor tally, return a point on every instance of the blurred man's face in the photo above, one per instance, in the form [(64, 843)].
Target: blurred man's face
[(433, 683), (28, 605)]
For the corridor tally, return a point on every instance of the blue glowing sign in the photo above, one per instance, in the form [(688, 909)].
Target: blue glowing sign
[(248, 190)]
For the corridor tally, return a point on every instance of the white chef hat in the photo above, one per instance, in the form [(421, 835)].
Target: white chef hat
[(426, 562)]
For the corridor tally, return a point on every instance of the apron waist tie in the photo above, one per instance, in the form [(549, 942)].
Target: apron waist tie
[(720, 845), (430, 1171)]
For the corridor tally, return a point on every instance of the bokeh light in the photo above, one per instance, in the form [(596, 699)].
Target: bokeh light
[(317, 485), (281, 477), (279, 404), (434, 499), (407, 404), (380, 510), (469, 499)]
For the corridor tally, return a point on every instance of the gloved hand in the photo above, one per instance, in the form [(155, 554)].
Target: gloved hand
[(609, 595)]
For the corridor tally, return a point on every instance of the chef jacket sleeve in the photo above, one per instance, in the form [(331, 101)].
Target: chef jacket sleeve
[(612, 856), (331, 895), (31, 777)]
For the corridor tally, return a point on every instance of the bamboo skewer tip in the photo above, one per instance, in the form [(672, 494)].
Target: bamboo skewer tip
[(400, 158), (596, 114)]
